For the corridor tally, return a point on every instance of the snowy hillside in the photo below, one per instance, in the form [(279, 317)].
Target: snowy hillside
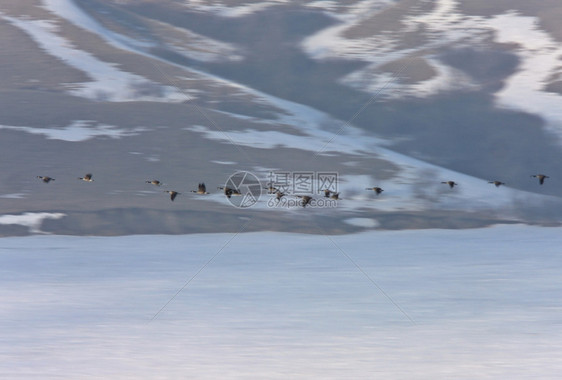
[(398, 94)]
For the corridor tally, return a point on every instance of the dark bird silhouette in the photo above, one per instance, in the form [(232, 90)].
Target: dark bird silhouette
[(497, 183), (450, 183), (335, 196), (154, 182), (305, 199), (229, 192), (541, 177), (271, 189), (45, 178), (201, 189), (327, 193), (173, 194), (376, 189), (279, 195), (87, 178)]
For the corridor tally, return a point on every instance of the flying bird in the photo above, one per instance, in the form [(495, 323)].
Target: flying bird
[(279, 195), (45, 178), (173, 194), (305, 199), (327, 193), (201, 189), (541, 177), (335, 196), (450, 183), (154, 182), (87, 178), (376, 189), (271, 189), (229, 191), (497, 183)]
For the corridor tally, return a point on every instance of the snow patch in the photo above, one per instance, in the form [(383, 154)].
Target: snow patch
[(13, 196), (540, 57), (79, 130), (224, 162), (108, 82), (32, 220), (362, 222), (68, 10), (192, 45), (223, 10)]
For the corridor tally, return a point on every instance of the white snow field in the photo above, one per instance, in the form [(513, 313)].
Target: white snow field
[(425, 304)]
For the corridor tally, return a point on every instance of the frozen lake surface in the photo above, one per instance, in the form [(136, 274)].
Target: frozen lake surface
[(427, 304)]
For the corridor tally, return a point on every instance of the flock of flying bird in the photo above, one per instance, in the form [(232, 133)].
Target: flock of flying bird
[(540, 177), (306, 199), (201, 189)]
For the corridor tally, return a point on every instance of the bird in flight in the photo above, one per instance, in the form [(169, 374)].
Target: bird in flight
[(45, 178), (279, 195), (154, 182), (229, 191), (173, 194), (305, 199), (376, 189), (271, 189), (450, 183), (541, 177), (497, 183), (201, 189), (87, 178)]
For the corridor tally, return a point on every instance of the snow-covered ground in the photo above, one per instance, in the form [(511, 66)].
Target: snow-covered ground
[(428, 304)]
